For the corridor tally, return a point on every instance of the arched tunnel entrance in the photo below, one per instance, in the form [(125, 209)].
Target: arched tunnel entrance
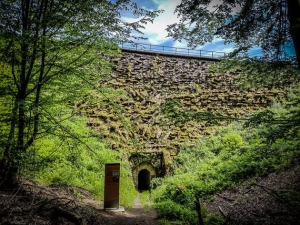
[(144, 180), (142, 175)]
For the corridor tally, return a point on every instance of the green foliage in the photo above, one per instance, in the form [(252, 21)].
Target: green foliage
[(267, 141), (245, 23), (174, 112), (66, 153), (180, 194), (66, 161), (155, 182), (50, 58), (127, 188), (211, 219), (164, 222), (173, 211), (189, 157), (254, 73), (144, 198)]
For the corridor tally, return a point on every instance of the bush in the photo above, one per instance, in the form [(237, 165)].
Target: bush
[(230, 156), (64, 161), (173, 211)]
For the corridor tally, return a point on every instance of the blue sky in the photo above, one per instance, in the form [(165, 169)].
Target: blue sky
[(157, 35)]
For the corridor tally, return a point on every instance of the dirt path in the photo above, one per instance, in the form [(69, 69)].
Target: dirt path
[(140, 214), (140, 209)]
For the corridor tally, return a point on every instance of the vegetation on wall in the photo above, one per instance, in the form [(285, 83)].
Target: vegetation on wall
[(164, 102), (266, 142), (253, 73)]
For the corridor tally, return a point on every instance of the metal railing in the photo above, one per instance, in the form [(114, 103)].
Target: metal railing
[(171, 50)]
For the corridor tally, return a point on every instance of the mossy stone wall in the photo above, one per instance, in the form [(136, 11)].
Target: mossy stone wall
[(146, 82)]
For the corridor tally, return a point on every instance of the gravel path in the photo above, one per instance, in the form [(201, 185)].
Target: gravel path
[(138, 215)]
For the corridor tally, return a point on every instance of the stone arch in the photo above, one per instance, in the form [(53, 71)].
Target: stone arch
[(142, 175)]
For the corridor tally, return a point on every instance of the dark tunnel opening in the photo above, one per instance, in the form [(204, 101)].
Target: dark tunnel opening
[(144, 180)]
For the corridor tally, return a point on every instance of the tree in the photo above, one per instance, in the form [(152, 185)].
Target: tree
[(44, 44), (271, 25)]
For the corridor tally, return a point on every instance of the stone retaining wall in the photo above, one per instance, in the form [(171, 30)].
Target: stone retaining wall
[(134, 120)]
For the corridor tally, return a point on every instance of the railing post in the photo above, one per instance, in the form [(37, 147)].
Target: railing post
[(188, 51), (200, 52), (150, 47), (163, 48)]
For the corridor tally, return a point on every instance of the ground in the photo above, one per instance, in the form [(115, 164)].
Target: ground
[(272, 199), (36, 204)]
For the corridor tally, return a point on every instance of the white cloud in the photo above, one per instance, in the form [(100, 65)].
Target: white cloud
[(157, 34), (155, 31)]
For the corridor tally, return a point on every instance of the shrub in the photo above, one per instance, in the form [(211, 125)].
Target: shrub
[(233, 154), (173, 211)]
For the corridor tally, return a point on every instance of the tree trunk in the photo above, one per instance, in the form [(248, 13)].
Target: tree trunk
[(7, 176), (294, 19), (198, 209)]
